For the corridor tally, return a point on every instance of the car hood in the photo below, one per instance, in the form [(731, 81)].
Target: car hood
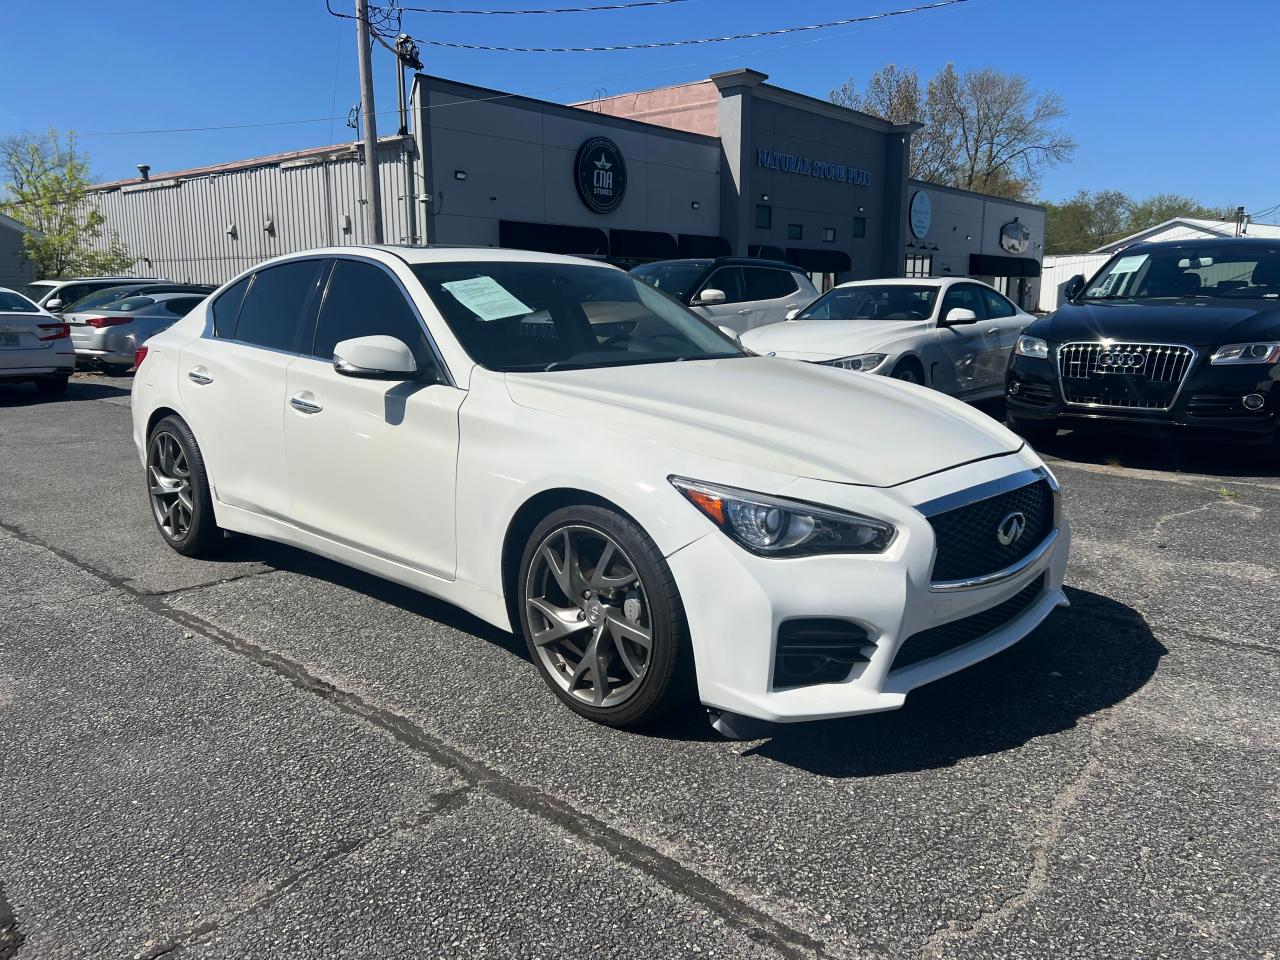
[(1197, 323), (828, 339), (793, 418)]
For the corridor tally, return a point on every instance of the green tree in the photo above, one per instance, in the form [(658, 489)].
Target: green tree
[(1087, 220), (46, 180), (980, 130)]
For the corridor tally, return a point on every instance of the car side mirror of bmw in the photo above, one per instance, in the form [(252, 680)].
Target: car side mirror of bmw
[(374, 358), (1072, 288), (709, 296), (958, 315), (53, 305)]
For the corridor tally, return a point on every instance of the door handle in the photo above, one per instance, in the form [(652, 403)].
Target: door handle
[(199, 376), (994, 330), (743, 313), (303, 405)]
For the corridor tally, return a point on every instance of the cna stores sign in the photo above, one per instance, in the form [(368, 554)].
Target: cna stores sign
[(600, 175)]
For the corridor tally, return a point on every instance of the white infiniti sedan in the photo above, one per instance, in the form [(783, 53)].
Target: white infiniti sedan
[(566, 452), (952, 334)]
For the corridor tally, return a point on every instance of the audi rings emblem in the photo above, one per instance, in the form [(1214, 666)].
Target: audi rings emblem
[(1127, 361)]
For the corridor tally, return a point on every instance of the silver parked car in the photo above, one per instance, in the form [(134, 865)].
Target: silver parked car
[(34, 345), (735, 293), (56, 295), (109, 335)]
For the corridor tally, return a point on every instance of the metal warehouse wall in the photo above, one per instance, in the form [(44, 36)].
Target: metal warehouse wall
[(177, 226), (1058, 270)]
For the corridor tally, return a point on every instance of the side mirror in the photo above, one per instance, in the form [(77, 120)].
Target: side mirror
[(52, 305), (374, 358), (709, 296), (1073, 287), (731, 333), (957, 315), (793, 313)]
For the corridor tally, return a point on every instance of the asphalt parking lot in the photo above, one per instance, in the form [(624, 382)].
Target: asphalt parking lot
[(274, 756)]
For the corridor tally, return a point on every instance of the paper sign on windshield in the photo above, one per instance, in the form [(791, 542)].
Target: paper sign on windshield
[(486, 298), (1129, 264)]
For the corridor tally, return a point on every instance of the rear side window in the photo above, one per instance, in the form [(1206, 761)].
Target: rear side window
[(997, 306), (226, 308), (364, 301), (272, 311), (763, 284)]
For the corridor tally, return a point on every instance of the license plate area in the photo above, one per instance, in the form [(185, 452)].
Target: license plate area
[(10, 341)]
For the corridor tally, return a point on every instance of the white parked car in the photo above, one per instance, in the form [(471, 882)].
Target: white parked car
[(952, 334), (565, 452), (735, 293), (35, 346)]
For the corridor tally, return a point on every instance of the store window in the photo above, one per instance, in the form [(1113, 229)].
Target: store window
[(795, 231), (764, 217), (828, 234), (918, 266), (859, 226)]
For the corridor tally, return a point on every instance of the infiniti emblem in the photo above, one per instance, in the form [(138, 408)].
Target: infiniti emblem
[(1010, 530)]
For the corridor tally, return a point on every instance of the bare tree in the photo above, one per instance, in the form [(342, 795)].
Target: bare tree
[(981, 130)]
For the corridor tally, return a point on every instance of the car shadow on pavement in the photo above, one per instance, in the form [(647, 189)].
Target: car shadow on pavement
[(1168, 454), (1081, 660), (25, 394)]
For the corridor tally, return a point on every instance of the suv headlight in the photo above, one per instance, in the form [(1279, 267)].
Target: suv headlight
[(1032, 347), (1266, 351), (776, 527), (863, 362)]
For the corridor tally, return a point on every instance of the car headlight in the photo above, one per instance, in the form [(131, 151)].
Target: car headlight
[(1032, 347), (777, 527), (1265, 351), (863, 362)]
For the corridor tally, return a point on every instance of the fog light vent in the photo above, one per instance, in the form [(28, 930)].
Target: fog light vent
[(818, 650)]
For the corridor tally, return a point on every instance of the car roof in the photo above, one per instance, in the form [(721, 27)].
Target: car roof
[(60, 280), (1212, 243), (731, 262), (907, 282)]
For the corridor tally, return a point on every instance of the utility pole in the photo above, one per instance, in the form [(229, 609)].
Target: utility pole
[(372, 192)]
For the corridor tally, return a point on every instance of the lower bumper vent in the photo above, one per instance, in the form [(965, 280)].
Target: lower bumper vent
[(950, 636), (817, 650)]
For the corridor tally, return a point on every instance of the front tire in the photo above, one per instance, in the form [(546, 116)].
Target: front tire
[(602, 617), (178, 489), (909, 370), (1035, 432)]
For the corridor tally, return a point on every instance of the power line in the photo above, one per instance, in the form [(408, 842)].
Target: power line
[(489, 13), (662, 44)]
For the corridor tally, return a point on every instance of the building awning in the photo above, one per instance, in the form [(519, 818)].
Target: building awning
[(641, 245), (553, 238), (819, 261), (699, 246), (987, 265)]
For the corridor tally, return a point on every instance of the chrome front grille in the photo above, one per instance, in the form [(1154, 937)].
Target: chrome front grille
[(1144, 376)]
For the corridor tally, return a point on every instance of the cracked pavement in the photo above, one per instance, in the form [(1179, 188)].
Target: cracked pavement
[(272, 755)]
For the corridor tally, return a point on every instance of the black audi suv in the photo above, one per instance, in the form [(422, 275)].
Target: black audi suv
[(1180, 336)]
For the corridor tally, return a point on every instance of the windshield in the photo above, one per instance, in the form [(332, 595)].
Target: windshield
[(11, 302), (545, 316), (1180, 272), (890, 301), (34, 291), (676, 277), (98, 298)]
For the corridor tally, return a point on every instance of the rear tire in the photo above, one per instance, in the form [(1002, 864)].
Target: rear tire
[(1035, 432), (178, 490), (603, 619), (53, 386), (909, 370)]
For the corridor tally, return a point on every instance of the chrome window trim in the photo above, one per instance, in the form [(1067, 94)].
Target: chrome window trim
[(985, 491), (1062, 387)]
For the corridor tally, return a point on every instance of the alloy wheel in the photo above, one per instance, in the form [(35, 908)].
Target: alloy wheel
[(589, 616), (169, 484)]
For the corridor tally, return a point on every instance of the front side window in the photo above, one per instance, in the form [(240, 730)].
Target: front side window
[(272, 312), (729, 281), (364, 301), (873, 302), (964, 296), (676, 277), (997, 306), (1249, 272), (520, 316), (16, 303)]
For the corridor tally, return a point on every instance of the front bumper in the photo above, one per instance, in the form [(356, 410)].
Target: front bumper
[(736, 602), (1210, 401)]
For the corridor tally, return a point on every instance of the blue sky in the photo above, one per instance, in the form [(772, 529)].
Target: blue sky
[(1158, 96)]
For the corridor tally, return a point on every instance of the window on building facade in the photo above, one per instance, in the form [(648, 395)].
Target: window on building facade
[(764, 217), (828, 234), (795, 231), (859, 226), (918, 266)]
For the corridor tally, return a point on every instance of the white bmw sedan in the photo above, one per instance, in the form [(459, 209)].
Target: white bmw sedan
[(952, 334), (568, 453)]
